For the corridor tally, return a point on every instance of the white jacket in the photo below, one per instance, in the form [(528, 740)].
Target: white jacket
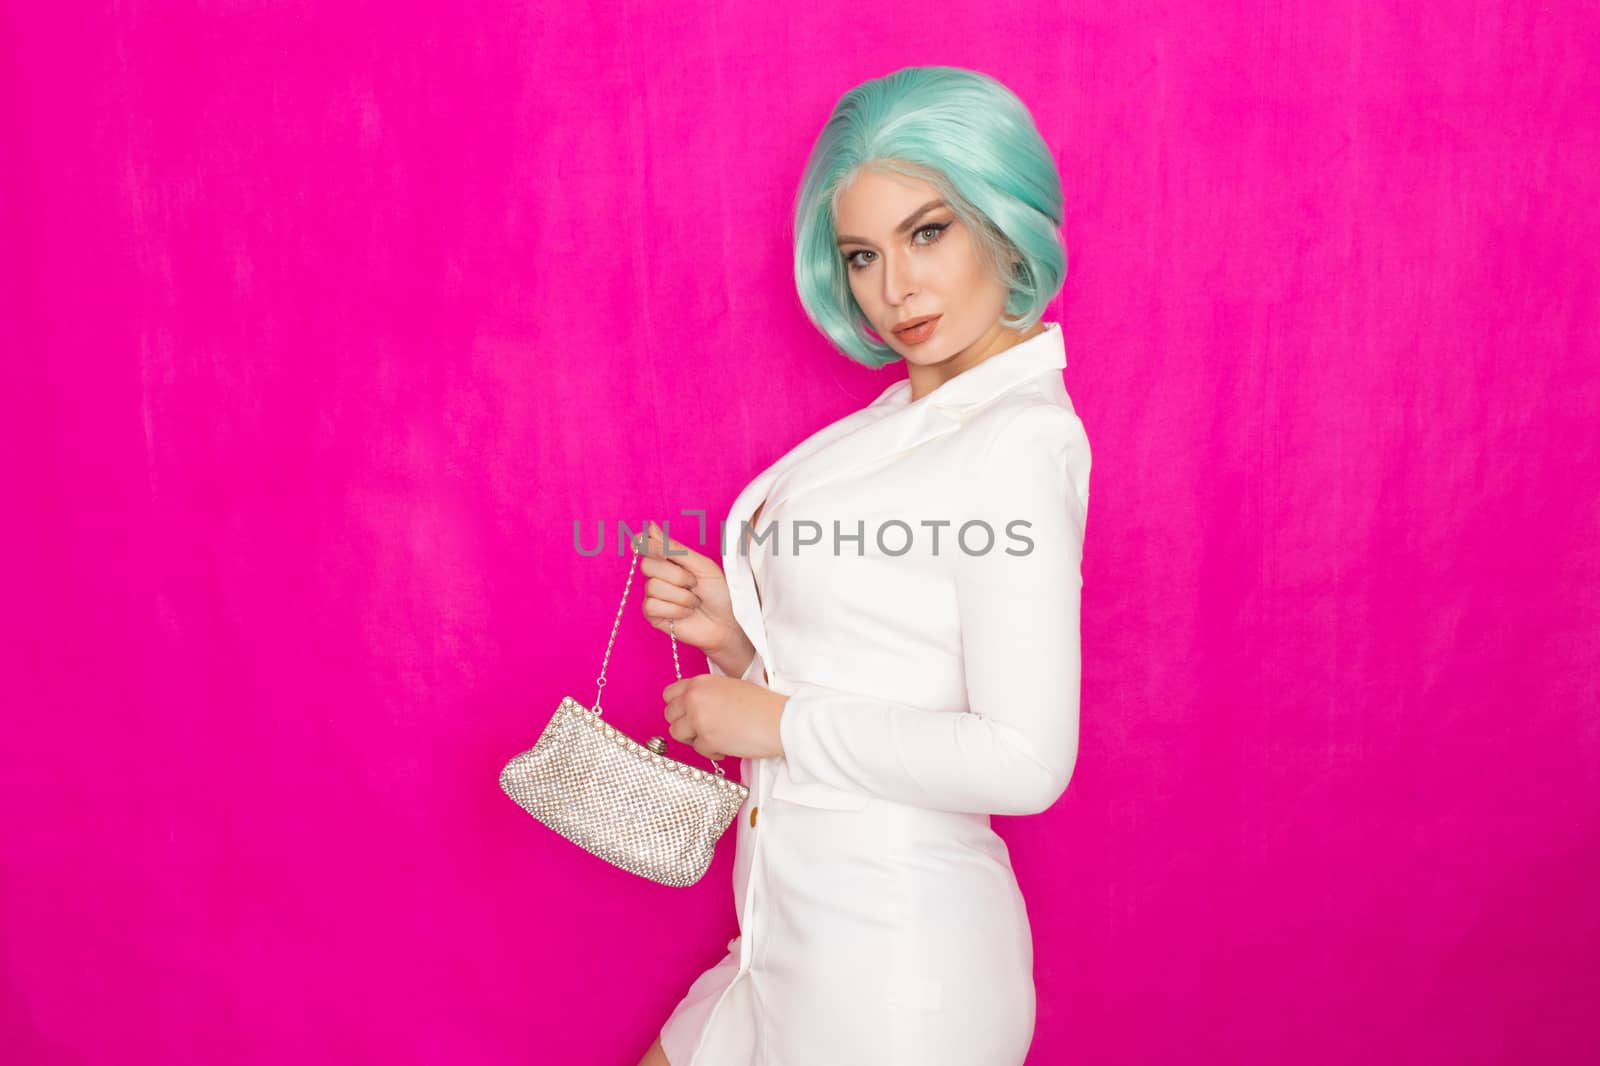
[(930, 685)]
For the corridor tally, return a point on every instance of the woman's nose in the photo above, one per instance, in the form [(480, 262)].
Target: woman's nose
[(898, 280)]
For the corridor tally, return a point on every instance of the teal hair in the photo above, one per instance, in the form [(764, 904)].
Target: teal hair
[(973, 140)]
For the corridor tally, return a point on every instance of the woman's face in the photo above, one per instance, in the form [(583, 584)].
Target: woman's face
[(906, 260)]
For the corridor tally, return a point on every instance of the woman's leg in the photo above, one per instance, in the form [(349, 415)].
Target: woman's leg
[(655, 1056)]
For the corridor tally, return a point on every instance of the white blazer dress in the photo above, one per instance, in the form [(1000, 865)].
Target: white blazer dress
[(932, 669)]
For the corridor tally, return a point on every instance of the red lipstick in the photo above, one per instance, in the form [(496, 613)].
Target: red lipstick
[(916, 330)]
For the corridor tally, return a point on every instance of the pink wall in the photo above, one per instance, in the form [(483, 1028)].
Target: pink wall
[(326, 326)]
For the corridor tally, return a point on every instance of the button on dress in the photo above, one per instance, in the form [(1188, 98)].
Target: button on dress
[(914, 588)]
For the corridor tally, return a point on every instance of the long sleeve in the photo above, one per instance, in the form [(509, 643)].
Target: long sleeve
[(1014, 749)]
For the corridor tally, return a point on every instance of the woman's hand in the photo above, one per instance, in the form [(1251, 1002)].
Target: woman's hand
[(722, 716), (690, 591)]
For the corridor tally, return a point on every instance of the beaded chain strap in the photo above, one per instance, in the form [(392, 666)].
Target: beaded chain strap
[(628, 803)]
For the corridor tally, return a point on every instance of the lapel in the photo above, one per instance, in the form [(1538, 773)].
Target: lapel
[(889, 426)]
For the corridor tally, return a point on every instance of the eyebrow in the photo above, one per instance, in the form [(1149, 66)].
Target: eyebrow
[(911, 220)]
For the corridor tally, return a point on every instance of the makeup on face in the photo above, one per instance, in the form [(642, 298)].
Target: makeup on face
[(917, 275), (917, 330)]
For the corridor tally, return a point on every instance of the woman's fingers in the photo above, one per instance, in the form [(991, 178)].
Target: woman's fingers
[(666, 611), (694, 562), (654, 566), (667, 591)]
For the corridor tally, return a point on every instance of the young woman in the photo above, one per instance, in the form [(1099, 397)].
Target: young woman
[(893, 634)]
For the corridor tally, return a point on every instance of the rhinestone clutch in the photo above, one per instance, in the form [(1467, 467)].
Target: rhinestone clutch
[(628, 803)]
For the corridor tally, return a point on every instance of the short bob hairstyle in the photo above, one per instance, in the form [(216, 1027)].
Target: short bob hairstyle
[(973, 140)]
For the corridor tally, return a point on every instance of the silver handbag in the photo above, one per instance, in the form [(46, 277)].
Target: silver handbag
[(626, 802)]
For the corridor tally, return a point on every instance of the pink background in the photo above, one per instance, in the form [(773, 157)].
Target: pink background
[(326, 325)]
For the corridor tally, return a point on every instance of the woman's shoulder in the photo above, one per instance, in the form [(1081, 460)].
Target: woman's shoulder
[(1028, 435), (1039, 416)]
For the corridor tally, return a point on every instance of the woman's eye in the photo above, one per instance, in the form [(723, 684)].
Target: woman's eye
[(935, 230)]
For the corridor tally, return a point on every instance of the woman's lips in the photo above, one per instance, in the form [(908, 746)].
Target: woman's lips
[(918, 333)]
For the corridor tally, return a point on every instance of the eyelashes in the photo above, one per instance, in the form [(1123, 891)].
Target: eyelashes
[(936, 228)]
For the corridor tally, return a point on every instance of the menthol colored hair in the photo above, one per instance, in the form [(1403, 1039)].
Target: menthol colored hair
[(973, 140)]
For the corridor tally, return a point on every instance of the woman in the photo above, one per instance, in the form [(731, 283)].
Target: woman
[(893, 636)]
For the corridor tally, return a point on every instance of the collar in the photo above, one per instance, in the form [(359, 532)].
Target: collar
[(976, 386)]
